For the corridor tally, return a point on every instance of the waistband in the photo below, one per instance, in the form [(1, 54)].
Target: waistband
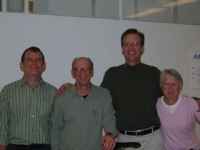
[(28, 147), (141, 132), (127, 145)]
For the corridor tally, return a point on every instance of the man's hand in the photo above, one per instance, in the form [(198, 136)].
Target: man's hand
[(2, 147), (108, 142), (65, 87)]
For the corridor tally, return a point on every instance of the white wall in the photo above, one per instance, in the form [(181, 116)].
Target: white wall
[(63, 38)]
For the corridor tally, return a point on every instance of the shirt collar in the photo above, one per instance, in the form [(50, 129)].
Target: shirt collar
[(129, 66), (171, 106), (23, 83), (91, 91)]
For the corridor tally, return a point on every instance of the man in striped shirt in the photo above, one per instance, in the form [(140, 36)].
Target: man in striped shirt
[(26, 105)]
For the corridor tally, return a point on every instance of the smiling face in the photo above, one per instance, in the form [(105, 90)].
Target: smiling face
[(82, 71), (132, 48), (171, 88), (32, 65)]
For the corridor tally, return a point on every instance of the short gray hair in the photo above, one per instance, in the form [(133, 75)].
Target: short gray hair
[(87, 59), (174, 73)]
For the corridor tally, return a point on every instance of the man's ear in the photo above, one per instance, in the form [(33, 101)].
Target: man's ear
[(44, 66), (21, 66), (142, 50), (122, 51), (72, 73), (92, 73)]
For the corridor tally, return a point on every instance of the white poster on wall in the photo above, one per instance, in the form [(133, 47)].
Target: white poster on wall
[(195, 73)]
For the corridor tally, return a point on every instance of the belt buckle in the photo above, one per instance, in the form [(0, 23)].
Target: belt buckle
[(150, 130), (125, 132), (137, 132), (153, 129)]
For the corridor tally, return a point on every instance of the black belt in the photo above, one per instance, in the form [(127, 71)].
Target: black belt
[(127, 145), (28, 147), (141, 131)]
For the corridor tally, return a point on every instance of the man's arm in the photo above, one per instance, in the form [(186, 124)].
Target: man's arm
[(2, 147), (106, 82), (57, 124), (4, 112), (109, 124), (64, 87)]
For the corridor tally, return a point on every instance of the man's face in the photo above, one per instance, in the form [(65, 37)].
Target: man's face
[(82, 72), (33, 65), (131, 48), (171, 87)]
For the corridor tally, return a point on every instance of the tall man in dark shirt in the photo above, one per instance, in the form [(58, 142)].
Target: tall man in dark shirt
[(134, 87)]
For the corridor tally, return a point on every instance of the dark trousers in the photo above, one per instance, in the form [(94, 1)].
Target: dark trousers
[(28, 147)]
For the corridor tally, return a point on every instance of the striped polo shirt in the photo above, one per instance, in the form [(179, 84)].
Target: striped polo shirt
[(25, 113)]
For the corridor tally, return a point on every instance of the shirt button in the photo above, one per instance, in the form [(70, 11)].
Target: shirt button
[(32, 116)]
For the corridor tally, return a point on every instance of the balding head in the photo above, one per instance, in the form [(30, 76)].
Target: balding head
[(83, 59)]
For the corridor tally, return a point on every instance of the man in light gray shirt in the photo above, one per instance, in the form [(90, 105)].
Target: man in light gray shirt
[(82, 112)]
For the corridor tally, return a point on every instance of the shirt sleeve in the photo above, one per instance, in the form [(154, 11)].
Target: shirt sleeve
[(4, 116), (157, 80), (57, 123), (197, 111), (109, 121), (106, 80)]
